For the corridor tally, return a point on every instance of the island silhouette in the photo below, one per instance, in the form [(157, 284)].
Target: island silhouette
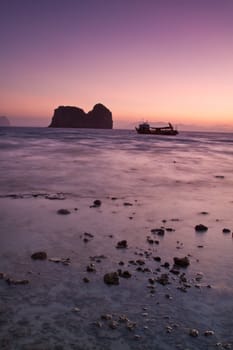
[(99, 117)]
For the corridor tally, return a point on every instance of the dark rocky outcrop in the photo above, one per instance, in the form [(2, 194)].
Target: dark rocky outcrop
[(73, 117), (4, 121)]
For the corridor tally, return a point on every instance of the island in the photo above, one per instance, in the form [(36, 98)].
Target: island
[(4, 121), (99, 117)]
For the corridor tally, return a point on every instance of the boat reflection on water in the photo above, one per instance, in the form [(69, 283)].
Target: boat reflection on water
[(145, 128)]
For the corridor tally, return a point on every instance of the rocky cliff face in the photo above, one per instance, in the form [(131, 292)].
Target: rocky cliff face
[(73, 117), (4, 121)]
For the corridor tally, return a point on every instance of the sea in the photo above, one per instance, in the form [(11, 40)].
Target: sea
[(143, 183)]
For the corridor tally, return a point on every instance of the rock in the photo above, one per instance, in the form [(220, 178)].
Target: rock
[(12, 281), (113, 324), (106, 317), (86, 280), (4, 121), (163, 279), (158, 231), (124, 274), (157, 258), (91, 268), (226, 230), (74, 117), (39, 256), (64, 261), (96, 204), (111, 278), (56, 196), (201, 228), (208, 333), (193, 332), (175, 271), (166, 265), (127, 204), (63, 212), (183, 262), (122, 244)]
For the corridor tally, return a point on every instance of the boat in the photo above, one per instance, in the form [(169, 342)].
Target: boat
[(145, 128)]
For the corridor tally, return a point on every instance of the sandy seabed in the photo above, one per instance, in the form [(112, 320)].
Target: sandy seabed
[(64, 302)]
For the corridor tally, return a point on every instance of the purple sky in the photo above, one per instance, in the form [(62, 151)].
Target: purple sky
[(156, 59)]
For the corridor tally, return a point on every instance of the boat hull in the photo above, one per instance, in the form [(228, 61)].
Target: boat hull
[(157, 132)]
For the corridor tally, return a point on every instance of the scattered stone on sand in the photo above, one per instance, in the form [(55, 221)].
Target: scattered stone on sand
[(124, 274), (201, 228), (122, 244), (127, 204), (226, 230), (169, 229), (130, 325), (91, 268), (157, 258), (97, 203), (193, 332), (208, 333), (56, 196), (150, 240), (158, 231), (39, 255), (13, 281), (137, 336), (106, 317), (166, 265), (87, 237), (183, 262), (64, 261), (63, 212), (86, 280), (175, 271), (113, 324), (163, 279), (76, 309), (199, 276), (111, 278)]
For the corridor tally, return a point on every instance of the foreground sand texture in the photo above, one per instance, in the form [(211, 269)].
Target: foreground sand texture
[(150, 193)]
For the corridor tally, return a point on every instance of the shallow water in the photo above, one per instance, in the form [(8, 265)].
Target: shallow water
[(164, 178)]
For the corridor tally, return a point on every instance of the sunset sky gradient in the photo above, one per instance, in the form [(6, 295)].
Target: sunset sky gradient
[(155, 60)]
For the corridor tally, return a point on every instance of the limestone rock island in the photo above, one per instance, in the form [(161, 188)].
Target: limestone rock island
[(74, 117)]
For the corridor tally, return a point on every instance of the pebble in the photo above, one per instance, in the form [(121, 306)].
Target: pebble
[(193, 332), (39, 256), (183, 262), (208, 333), (201, 228), (122, 244), (111, 278), (63, 212)]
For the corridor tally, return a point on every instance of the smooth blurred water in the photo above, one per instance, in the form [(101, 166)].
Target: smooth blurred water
[(81, 161)]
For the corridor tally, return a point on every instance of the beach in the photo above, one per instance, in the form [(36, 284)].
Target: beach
[(107, 202)]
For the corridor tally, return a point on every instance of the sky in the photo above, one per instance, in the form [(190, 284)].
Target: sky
[(145, 60)]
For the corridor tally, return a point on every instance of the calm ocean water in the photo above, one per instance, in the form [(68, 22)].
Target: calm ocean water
[(82, 161), (144, 182)]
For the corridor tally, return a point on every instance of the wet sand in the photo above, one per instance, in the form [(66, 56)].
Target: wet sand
[(65, 306)]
